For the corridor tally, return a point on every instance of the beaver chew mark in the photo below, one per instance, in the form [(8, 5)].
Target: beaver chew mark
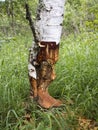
[(46, 58), (45, 78), (48, 52)]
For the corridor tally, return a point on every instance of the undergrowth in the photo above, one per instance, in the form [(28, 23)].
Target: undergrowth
[(76, 85)]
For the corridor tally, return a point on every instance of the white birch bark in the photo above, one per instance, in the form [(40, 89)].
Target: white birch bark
[(49, 20)]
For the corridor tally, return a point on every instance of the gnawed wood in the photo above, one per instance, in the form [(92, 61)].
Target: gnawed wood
[(46, 58), (33, 91), (46, 76), (48, 51)]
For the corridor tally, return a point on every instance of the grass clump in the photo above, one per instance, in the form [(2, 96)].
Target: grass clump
[(76, 84)]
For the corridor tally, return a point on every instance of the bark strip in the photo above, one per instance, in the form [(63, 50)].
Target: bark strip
[(31, 23)]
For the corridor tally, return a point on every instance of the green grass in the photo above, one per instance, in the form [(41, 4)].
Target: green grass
[(76, 84)]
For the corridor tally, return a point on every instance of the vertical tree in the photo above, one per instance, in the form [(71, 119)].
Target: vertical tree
[(45, 49)]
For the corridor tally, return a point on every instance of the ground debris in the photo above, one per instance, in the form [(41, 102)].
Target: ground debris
[(87, 124)]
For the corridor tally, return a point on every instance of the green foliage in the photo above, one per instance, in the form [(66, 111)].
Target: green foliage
[(13, 16), (81, 15)]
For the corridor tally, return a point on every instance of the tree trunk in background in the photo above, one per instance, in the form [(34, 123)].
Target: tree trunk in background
[(45, 49), (10, 14)]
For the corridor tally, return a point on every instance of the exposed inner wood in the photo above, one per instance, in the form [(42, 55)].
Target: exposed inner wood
[(46, 58), (33, 83), (48, 52)]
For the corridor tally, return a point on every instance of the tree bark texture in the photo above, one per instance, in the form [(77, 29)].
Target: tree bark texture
[(45, 49)]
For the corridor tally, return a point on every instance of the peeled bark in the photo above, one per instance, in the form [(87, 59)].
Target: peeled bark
[(45, 49)]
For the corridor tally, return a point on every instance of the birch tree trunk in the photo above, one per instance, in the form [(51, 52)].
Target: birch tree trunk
[(45, 49)]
